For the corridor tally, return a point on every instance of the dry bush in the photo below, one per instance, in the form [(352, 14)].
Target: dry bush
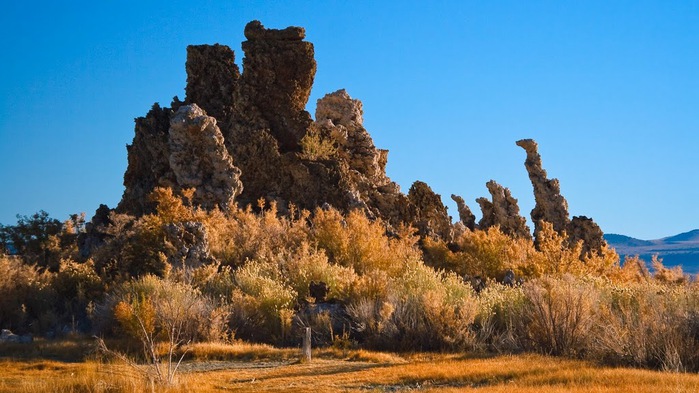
[(262, 304), (162, 305), (423, 310), (26, 297), (558, 315), (556, 257), (649, 325), (665, 275), (78, 288), (633, 270), (316, 146), (308, 264), (490, 253), (135, 247), (240, 235), (357, 242), (500, 308), (163, 315)]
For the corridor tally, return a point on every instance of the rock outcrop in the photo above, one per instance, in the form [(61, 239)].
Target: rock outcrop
[(148, 161), (552, 207), (178, 149), (466, 217), (585, 229), (278, 72), (252, 129), (503, 211), (267, 133), (199, 159), (212, 79), (431, 218), (190, 242)]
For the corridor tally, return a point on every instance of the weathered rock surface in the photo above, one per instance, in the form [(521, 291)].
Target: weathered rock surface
[(465, 215), (278, 72), (552, 207), (178, 149), (199, 159), (262, 117), (148, 161), (431, 218), (361, 166), (191, 244), (212, 79), (503, 211), (585, 229)]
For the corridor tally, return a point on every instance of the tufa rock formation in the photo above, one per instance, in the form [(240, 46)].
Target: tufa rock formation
[(552, 207), (252, 129), (148, 161), (465, 215), (212, 78), (178, 149), (190, 243), (267, 134), (279, 68), (503, 211), (199, 159), (583, 228), (431, 218)]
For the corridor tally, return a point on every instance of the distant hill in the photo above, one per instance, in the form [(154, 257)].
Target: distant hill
[(681, 249), (691, 236), (625, 241)]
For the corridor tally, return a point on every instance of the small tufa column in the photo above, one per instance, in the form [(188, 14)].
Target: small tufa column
[(306, 349)]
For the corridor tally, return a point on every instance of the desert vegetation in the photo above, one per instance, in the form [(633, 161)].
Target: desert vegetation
[(383, 290)]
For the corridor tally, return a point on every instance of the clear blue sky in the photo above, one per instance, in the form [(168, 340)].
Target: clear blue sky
[(609, 89)]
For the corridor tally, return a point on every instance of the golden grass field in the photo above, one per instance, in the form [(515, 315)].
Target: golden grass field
[(259, 368)]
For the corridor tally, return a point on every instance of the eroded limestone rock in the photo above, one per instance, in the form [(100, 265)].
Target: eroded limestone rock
[(432, 218), (199, 159), (278, 72), (505, 212), (262, 119), (552, 207), (467, 218), (190, 244), (212, 79), (148, 161), (585, 229)]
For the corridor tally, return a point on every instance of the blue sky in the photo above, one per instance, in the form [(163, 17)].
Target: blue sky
[(609, 89)]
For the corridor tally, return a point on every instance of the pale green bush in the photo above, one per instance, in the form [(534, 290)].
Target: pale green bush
[(558, 315), (262, 304), (308, 264), (423, 310), (649, 325), (500, 309)]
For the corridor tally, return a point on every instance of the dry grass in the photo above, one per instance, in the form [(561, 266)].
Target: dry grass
[(259, 368)]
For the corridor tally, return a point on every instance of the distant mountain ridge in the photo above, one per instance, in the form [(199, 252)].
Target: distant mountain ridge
[(681, 249), (691, 236)]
